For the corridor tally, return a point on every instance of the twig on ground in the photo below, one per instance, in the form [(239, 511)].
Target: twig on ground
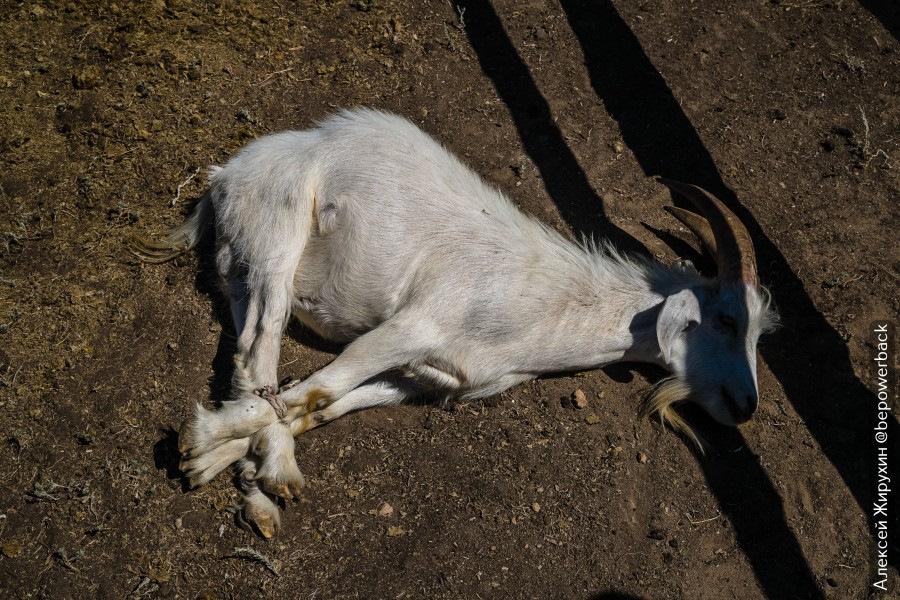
[(256, 556), (181, 185)]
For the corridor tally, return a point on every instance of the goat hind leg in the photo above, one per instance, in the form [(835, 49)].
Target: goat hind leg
[(259, 350), (261, 313)]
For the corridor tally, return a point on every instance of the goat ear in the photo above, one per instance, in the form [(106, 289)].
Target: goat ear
[(680, 313)]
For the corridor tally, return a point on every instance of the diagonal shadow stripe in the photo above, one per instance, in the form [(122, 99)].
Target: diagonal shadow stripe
[(886, 11), (822, 376), (564, 178)]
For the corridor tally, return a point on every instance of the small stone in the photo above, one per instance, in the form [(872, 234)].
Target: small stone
[(642, 458), (592, 419), (394, 531), (11, 548), (579, 399), (536, 507), (618, 147), (386, 510)]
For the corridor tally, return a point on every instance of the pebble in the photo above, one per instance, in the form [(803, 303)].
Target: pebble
[(12, 548), (386, 510), (579, 399)]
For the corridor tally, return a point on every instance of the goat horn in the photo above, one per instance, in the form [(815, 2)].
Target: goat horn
[(720, 231), (696, 224)]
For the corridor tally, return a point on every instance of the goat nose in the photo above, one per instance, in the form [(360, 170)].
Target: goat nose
[(740, 412), (752, 404)]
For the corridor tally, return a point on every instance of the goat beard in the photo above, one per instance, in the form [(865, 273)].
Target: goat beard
[(661, 400)]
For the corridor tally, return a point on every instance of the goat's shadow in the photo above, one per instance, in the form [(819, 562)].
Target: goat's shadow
[(652, 123), (166, 456), (208, 283)]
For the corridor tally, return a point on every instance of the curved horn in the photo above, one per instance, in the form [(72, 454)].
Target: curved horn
[(697, 225), (731, 241)]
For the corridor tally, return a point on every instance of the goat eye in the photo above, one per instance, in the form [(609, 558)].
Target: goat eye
[(727, 322)]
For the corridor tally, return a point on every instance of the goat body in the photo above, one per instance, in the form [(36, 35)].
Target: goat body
[(370, 232)]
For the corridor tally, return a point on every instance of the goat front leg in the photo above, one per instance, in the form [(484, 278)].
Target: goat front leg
[(377, 393), (393, 345), (385, 348), (278, 473)]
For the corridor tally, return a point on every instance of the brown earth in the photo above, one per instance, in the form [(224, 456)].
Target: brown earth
[(786, 109)]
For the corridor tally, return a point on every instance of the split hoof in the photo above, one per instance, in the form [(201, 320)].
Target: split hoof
[(260, 515), (286, 482), (201, 469)]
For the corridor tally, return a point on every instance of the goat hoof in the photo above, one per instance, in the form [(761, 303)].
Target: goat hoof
[(185, 437), (278, 473), (287, 489), (201, 469), (260, 514), (194, 435), (280, 476)]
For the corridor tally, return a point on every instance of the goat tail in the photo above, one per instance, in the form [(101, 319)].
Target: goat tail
[(178, 240), (660, 400)]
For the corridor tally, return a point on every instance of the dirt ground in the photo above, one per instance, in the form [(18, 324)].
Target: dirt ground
[(109, 114)]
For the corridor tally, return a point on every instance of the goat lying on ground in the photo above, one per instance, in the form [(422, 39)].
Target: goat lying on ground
[(371, 233)]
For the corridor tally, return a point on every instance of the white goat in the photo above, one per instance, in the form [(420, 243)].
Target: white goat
[(371, 233)]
